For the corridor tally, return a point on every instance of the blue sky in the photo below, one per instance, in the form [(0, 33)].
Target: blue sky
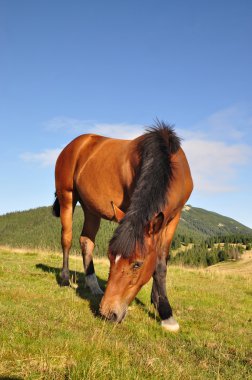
[(112, 67)]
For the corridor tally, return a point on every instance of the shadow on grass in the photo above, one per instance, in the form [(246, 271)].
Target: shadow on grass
[(83, 292), (146, 310), (77, 279)]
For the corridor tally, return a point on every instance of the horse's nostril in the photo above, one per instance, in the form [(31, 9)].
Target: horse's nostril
[(113, 317)]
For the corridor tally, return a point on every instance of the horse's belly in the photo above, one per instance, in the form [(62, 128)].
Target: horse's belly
[(97, 195)]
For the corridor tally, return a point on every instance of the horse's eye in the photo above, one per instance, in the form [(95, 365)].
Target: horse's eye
[(137, 264)]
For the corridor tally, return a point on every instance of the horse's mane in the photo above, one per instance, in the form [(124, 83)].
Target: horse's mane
[(152, 183)]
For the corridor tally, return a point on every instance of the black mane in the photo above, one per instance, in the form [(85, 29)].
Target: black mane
[(150, 194)]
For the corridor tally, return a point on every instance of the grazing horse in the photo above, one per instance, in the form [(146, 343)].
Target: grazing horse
[(143, 184)]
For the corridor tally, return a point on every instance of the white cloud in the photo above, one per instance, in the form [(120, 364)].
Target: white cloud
[(77, 126), (214, 164), (121, 131), (229, 124), (67, 124), (48, 156), (215, 147), (45, 158)]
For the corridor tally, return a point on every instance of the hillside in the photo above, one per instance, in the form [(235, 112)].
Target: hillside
[(209, 223), (37, 228)]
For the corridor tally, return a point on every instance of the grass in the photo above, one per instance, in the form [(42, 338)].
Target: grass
[(242, 266), (49, 332)]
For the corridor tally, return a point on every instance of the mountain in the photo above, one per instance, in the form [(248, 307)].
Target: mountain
[(208, 223), (37, 228)]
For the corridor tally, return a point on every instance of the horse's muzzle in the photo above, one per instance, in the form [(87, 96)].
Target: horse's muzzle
[(115, 314)]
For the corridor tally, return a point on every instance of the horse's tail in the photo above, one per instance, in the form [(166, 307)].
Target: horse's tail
[(56, 207)]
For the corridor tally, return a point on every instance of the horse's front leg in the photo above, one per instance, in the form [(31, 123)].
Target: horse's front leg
[(159, 297), (159, 294)]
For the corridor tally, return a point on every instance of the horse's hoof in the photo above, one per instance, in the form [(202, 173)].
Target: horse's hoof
[(170, 324), (64, 279), (64, 282)]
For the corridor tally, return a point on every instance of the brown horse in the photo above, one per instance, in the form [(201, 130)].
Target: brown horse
[(143, 184)]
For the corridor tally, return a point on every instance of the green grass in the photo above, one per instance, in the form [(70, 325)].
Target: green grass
[(49, 332)]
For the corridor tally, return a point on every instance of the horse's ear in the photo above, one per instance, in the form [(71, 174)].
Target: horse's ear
[(155, 224), (119, 214)]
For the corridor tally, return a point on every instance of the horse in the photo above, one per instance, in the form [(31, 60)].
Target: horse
[(143, 184)]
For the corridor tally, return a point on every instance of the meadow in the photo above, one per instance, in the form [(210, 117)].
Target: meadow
[(53, 332)]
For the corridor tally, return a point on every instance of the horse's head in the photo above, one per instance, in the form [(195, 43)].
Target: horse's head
[(129, 274)]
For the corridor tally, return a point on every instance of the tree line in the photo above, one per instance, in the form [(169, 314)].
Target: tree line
[(38, 229)]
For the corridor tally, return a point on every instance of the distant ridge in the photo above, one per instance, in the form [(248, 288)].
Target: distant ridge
[(36, 228), (209, 223)]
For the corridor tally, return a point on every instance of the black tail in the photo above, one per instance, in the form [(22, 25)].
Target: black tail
[(56, 207)]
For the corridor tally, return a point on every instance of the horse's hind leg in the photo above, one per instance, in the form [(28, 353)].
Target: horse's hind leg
[(87, 242), (67, 205)]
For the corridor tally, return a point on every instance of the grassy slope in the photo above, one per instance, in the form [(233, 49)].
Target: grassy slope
[(242, 266), (208, 223), (53, 333), (38, 229)]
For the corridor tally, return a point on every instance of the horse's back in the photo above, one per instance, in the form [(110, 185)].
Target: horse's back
[(67, 162), (98, 169)]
